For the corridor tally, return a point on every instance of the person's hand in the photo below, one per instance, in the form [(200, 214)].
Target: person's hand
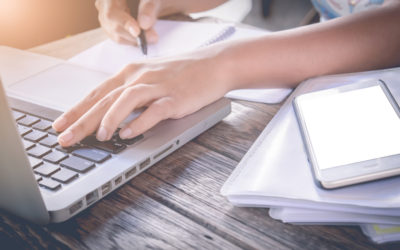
[(115, 18), (169, 88)]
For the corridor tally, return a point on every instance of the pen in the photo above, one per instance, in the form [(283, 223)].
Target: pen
[(141, 38), (141, 41)]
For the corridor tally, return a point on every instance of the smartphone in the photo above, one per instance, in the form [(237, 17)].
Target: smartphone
[(351, 133)]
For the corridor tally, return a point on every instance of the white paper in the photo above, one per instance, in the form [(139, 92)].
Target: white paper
[(381, 233), (379, 229), (175, 38), (313, 216), (275, 171)]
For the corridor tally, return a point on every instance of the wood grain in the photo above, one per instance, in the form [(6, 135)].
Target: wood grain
[(176, 204), (70, 46)]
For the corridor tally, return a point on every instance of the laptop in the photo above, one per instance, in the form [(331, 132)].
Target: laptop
[(45, 183)]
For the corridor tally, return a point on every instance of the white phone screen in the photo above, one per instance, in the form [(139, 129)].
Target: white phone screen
[(352, 126)]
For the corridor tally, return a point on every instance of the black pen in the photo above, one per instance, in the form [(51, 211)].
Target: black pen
[(141, 38), (141, 41)]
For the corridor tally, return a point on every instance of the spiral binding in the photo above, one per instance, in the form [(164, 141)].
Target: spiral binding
[(223, 35)]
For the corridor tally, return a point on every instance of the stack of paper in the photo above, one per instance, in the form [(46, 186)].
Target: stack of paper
[(275, 173), (381, 233), (176, 38)]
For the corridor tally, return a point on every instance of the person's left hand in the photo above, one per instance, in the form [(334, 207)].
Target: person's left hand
[(169, 88), (115, 18)]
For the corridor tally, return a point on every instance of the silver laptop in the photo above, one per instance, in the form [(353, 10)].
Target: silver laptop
[(44, 183)]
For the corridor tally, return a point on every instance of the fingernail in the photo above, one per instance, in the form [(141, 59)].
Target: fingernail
[(101, 134), (59, 123), (144, 21), (126, 133), (133, 31), (66, 137)]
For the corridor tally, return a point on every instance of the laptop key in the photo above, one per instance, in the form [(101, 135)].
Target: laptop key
[(55, 157), (68, 149), (38, 151), (77, 164), (92, 154), (35, 135), (64, 175), (49, 141), (129, 141), (109, 146), (38, 177), (28, 120), (22, 130), (34, 162), (52, 131), (49, 184), (18, 115), (43, 125), (46, 169), (27, 144)]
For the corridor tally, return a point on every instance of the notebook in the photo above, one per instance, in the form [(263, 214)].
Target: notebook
[(381, 233), (379, 228), (176, 38), (275, 171), (322, 217)]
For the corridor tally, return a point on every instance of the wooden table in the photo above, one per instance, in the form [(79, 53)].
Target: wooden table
[(176, 203)]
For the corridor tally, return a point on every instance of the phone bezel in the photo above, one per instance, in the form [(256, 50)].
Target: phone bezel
[(353, 173)]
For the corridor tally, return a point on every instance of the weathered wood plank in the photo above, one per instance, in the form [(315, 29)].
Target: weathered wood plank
[(16, 233), (127, 219), (214, 219), (201, 179), (236, 133), (269, 109)]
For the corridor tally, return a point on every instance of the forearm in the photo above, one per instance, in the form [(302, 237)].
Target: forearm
[(169, 7), (364, 41)]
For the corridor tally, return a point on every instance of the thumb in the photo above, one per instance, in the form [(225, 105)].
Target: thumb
[(148, 13)]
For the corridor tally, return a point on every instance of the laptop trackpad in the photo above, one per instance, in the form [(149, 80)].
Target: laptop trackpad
[(59, 87)]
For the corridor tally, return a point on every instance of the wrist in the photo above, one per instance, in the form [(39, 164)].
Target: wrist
[(229, 66), (168, 7)]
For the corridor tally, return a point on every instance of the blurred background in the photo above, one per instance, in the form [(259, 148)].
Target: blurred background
[(28, 23)]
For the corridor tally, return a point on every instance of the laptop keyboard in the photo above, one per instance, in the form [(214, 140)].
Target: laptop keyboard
[(55, 166)]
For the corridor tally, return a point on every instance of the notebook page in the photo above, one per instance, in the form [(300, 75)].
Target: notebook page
[(381, 233), (175, 37), (323, 217)]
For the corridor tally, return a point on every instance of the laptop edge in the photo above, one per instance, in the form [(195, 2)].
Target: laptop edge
[(19, 192)]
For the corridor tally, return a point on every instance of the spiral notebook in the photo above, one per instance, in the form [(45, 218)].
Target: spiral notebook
[(176, 38)]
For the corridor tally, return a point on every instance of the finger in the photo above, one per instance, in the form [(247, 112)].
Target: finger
[(125, 39), (72, 115), (89, 122), (151, 35), (156, 112), (115, 21), (122, 39), (148, 13), (132, 98), (131, 26)]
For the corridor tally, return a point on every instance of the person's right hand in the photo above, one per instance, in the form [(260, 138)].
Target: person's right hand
[(116, 20), (171, 87)]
